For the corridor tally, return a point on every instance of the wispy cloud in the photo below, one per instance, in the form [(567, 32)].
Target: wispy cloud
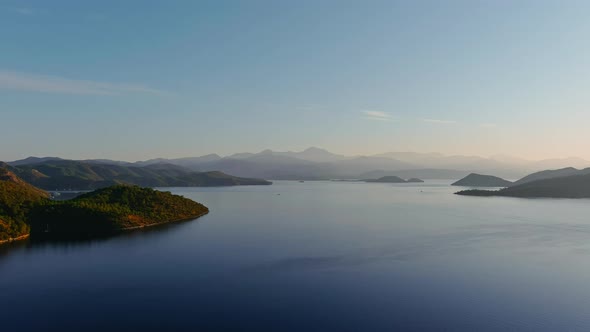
[(53, 84), (377, 115), (438, 121)]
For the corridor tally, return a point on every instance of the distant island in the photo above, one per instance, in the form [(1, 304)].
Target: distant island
[(26, 210), (393, 179), (51, 174), (479, 180), (576, 186)]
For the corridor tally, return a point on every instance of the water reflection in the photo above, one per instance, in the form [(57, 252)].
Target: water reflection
[(524, 236), (319, 257), (39, 242)]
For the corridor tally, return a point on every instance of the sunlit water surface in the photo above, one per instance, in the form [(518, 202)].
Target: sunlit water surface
[(317, 256)]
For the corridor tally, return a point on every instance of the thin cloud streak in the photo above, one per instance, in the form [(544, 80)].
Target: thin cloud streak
[(53, 84), (377, 119), (377, 116)]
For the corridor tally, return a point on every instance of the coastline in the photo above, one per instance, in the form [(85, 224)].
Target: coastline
[(14, 239), (122, 230), (164, 222)]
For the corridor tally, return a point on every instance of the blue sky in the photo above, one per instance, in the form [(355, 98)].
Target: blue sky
[(133, 80)]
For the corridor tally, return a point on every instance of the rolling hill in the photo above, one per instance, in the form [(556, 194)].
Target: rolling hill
[(479, 180), (387, 179), (78, 175), (550, 174), (16, 199), (574, 186), (25, 209), (110, 210)]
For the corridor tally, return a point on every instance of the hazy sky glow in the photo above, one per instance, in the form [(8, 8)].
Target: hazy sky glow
[(135, 80)]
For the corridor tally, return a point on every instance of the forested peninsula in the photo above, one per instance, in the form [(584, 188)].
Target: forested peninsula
[(26, 210)]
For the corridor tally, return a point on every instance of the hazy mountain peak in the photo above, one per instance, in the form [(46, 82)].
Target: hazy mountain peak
[(313, 149), (481, 180), (313, 154), (508, 157), (32, 160), (241, 155), (318, 155)]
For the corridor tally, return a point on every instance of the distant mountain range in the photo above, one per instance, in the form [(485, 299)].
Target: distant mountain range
[(52, 173), (319, 164)]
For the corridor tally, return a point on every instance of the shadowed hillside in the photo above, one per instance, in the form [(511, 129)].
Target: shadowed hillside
[(550, 174), (26, 209), (110, 210), (577, 186), (77, 175), (478, 180), (16, 199)]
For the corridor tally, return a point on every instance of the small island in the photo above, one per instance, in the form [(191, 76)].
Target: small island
[(479, 180), (393, 179), (26, 210)]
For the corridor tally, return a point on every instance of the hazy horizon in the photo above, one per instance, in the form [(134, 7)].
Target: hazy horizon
[(499, 157), (135, 80)]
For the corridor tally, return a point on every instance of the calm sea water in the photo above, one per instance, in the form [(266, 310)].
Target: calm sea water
[(317, 256)]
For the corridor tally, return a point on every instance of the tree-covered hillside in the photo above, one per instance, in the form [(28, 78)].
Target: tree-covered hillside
[(25, 209), (16, 200), (112, 209)]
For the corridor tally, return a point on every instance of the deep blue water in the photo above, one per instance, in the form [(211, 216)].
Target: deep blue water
[(317, 256)]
